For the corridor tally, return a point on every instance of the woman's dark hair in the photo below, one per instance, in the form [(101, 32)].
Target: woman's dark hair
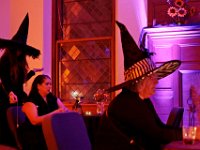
[(38, 80), (17, 62)]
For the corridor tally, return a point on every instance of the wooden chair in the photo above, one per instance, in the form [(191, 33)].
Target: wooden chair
[(66, 131), (15, 118), (175, 117)]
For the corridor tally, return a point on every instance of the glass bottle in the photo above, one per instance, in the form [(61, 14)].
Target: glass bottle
[(77, 106), (191, 114)]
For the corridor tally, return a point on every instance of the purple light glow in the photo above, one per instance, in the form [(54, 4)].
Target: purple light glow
[(47, 37)]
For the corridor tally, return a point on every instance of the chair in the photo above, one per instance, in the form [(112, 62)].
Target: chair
[(15, 117), (66, 131), (175, 117)]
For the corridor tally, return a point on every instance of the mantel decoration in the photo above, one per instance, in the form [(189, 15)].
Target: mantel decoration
[(191, 105), (100, 97), (180, 11)]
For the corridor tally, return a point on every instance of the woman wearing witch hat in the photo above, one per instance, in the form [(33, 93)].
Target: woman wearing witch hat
[(14, 72), (131, 122)]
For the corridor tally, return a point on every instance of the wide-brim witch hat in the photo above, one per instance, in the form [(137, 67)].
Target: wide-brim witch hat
[(138, 63), (18, 41)]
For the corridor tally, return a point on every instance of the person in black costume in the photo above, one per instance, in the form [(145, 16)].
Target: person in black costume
[(131, 121), (14, 72), (40, 104)]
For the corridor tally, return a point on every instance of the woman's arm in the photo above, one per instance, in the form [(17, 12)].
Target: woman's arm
[(32, 73), (30, 110), (29, 75)]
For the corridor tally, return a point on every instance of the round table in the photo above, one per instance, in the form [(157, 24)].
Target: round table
[(92, 124), (179, 145)]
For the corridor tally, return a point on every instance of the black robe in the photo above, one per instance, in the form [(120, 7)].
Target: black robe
[(134, 119), (7, 85)]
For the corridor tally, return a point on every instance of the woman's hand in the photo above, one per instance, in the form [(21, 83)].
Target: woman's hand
[(12, 98), (62, 110)]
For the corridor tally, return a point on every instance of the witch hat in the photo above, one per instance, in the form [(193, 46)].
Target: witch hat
[(18, 41), (138, 63)]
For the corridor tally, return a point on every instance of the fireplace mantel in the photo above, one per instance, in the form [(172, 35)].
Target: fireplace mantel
[(177, 42)]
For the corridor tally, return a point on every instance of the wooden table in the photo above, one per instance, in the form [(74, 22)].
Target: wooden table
[(179, 145), (92, 124)]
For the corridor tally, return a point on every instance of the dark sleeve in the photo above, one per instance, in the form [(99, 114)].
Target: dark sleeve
[(5, 75), (139, 118), (29, 75), (157, 118), (154, 129)]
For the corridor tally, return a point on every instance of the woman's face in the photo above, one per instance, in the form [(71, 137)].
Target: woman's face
[(45, 87), (148, 85)]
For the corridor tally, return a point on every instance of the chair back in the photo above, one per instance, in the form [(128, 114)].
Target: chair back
[(15, 117), (175, 117), (66, 131)]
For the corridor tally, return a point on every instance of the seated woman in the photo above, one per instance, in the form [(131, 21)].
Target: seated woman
[(131, 121), (40, 104)]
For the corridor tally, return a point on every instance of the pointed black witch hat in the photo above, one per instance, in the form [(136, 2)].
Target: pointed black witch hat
[(138, 63), (18, 41)]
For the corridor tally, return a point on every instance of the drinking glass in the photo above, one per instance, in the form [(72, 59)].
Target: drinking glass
[(100, 108), (189, 134)]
